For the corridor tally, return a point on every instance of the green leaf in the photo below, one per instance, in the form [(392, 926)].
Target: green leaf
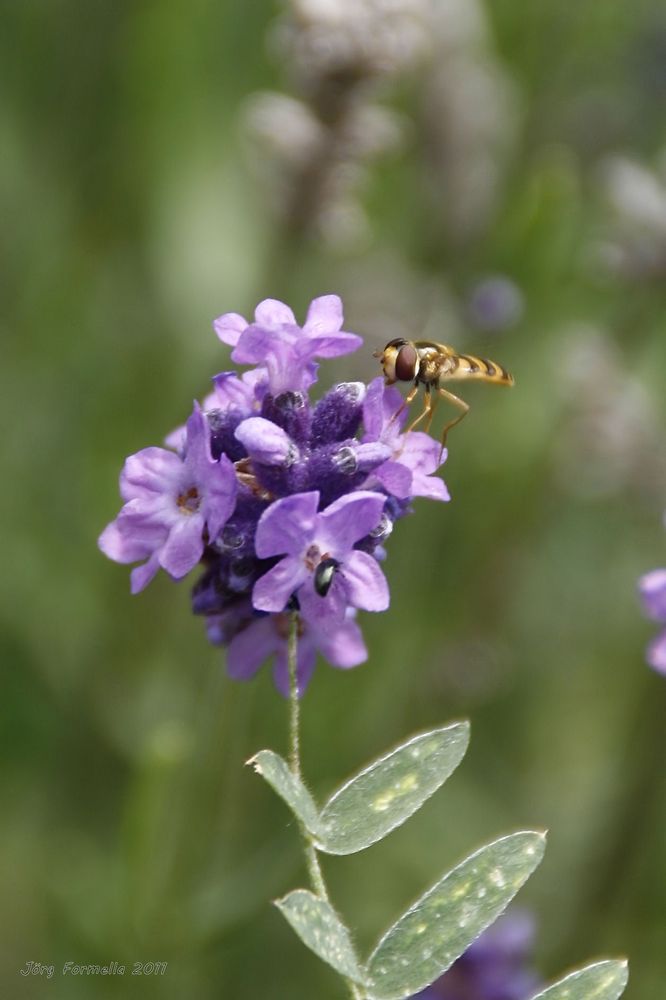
[(386, 793), (277, 773), (438, 928), (319, 927), (601, 981)]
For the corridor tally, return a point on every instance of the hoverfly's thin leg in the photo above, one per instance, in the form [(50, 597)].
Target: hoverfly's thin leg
[(425, 412), (462, 405), (405, 403), (434, 401)]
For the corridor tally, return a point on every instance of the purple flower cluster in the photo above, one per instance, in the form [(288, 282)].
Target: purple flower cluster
[(652, 589), (494, 967), (286, 503)]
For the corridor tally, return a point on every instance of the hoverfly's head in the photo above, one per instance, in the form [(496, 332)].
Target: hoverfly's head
[(399, 361)]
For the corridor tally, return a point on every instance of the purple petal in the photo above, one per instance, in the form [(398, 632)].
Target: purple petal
[(366, 584), (265, 442), (287, 525), (184, 546), (420, 453), (232, 391), (343, 647), (334, 346), (151, 470), (652, 589), (272, 590), (431, 487), (258, 344), (121, 546), (220, 495), (323, 614), (141, 576), (396, 478), (380, 405), (229, 327), (176, 439), (272, 312), (197, 448), (324, 315), (656, 653), (348, 519), (373, 411), (371, 455), (145, 516), (248, 650), (391, 403)]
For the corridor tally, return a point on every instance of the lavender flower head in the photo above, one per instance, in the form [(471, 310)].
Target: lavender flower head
[(285, 504), (495, 967)]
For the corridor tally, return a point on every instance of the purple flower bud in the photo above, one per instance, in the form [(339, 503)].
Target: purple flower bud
[(266, 443), (337, 469), (338, 414), (291, 412), (223, 439)]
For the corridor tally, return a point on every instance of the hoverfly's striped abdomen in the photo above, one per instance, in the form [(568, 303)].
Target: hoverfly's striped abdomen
[(467, 366)]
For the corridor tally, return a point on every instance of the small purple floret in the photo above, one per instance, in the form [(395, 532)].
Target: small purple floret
[(286, 350), (172, 503), (294, 529), (266, 637)]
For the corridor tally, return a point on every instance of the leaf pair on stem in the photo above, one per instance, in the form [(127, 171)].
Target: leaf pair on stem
[(440, 926)]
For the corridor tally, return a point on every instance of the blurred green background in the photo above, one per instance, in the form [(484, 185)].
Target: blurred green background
[(134, 213)]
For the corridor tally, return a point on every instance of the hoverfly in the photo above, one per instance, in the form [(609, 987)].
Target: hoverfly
[(427, 363)]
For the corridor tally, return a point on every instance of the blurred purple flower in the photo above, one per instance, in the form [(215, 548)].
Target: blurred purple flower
[(286, 505), (652, 588), (495, 304), (495, 967)]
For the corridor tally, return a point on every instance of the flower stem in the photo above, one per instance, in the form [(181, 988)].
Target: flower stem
[(311, 858), (294, 702)]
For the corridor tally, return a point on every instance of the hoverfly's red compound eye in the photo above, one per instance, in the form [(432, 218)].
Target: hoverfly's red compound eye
[(406, 363)]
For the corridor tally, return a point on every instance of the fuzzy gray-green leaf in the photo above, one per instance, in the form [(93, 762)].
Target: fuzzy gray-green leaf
[(387, 792), (438, 928), (277, 773), (319, 927), (602, 981)]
